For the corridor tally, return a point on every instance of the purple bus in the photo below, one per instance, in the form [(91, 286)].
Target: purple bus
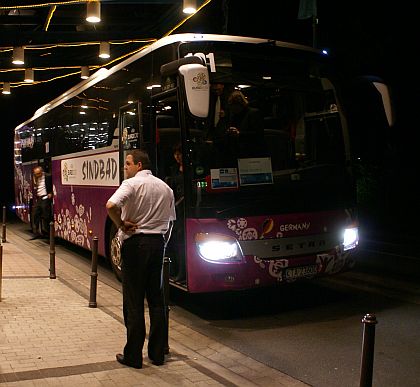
[(265, 194)]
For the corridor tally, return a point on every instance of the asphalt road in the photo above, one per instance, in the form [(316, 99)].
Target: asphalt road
[(313, 331)]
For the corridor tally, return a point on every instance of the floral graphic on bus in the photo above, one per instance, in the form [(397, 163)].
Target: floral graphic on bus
[(239, 226), (241, 229), (276, 268), (74, 225), (23, 191)]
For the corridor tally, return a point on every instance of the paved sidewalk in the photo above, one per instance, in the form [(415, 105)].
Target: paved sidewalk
[(50, 337)]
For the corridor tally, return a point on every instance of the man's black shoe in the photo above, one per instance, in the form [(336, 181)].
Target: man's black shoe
[(156, 362), (121, 359), (38, 236)]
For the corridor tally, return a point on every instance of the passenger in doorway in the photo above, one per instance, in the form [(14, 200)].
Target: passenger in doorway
[(178, 168), (42, 210), (142, 208)]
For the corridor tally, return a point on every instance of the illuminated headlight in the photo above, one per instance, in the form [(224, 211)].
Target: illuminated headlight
[(18, 207), (350, 238), (218, 248)]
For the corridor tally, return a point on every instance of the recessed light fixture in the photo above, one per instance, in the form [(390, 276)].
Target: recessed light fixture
[(6, 88), (150, 87), (84, 72), (93, 11), (29, 75), (190, 6), (104, 50), (18, 56)]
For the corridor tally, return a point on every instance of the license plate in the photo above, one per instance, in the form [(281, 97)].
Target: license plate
[(301, 271)]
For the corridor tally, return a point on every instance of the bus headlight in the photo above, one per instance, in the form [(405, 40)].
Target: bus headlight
[(218, 248), (350, 238)]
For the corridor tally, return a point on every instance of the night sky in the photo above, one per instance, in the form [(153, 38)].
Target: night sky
[(364, 37)]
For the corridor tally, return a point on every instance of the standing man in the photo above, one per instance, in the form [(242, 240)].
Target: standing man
[(217, 113), (142, 208), (41, 213)]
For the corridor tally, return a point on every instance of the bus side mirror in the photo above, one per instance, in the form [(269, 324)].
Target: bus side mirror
[(197, 88), (196, 82), (383, 90)]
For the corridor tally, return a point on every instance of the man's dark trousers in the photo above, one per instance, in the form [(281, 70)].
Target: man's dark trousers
[(142, 256), (42, 216)]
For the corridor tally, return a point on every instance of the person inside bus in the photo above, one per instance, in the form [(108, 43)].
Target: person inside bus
[(177, 168), (42, 210), (244, 135), (217, 111), (176, 245), (142, 208)]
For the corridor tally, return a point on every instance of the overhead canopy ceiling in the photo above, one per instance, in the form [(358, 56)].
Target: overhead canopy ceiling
[(58, 40)]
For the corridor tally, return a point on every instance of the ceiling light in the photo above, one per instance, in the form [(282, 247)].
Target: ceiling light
[(150, 87), (190, 6), (93, 11), (104, 50), (84, 104), (18, 56), (84, 72), (29, 75), (6, 88)]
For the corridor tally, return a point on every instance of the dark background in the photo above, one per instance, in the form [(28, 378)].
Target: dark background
[(363, 37)]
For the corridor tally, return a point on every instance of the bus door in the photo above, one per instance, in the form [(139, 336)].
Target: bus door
[(170, 168), (178, 106)]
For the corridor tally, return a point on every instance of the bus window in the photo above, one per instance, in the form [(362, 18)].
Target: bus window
[(130, 119), (168, 134)]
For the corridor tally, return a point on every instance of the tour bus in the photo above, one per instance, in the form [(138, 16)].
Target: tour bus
[(259, 203)]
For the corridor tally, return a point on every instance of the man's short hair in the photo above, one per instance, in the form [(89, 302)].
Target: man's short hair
[(237, 98), (140, 156), (177, 148), (38, 169)]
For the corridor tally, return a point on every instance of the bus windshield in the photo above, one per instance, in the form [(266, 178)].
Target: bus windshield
[(274, 135)]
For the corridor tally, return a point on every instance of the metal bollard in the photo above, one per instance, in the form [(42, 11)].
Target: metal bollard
[(3, 238), (52, 251), (94, 274), (368, 346), (1, 267), (165, 278)]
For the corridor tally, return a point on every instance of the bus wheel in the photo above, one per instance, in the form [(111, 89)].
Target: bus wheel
[(115, 252)]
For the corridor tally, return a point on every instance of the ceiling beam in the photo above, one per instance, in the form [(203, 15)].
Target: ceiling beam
[(50, 37)]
